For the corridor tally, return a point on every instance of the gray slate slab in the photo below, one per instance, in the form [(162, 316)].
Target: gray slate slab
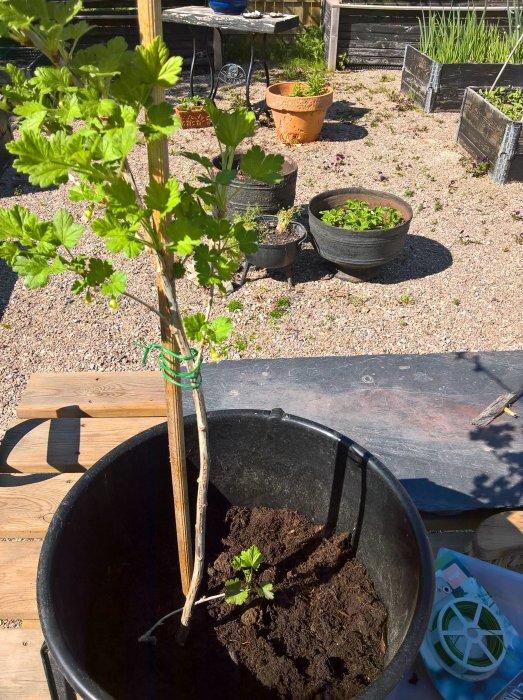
[(414, 412), (205, 17)]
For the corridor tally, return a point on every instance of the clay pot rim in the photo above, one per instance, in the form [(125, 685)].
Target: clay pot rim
[(275, 100)]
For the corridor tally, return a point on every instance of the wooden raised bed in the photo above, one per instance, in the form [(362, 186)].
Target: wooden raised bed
[(439, 87), (376, 33), (485, 132)]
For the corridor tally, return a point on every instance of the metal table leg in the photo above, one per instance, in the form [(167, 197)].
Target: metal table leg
[(193, 63), (214, 82), (249, 74)]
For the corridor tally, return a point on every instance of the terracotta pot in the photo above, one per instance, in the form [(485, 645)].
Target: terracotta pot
[(297, 119), (197, 118)]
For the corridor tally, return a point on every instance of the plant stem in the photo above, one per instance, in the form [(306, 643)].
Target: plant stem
[(146, 637), (147, 306)]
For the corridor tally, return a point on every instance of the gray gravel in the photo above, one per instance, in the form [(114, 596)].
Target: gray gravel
[(457, 286)]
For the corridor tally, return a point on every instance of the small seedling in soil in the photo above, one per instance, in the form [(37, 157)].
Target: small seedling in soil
[(385, 78), (438, 206), (403, 103), (452, 186), (421, 207), (478, 169), (519, 239), (235, 305), (284, 217), (241, 345), (247, 564), (409, 193), (465, 239), (405, 300), (517, 215), (456, 302)]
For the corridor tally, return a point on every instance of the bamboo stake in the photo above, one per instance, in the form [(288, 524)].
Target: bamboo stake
[(150, 25)]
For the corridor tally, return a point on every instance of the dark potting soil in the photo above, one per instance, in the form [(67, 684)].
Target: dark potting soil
[(321, 637), (268, 235)]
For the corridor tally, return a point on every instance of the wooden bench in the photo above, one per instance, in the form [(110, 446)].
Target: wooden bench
[(63, 426)]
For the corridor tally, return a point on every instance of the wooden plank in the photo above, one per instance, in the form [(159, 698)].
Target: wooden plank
[(28, 502), (94, 394), (481, 128), (499, 539), (332, 47), (22, 675), (18, 564), (39, 446)]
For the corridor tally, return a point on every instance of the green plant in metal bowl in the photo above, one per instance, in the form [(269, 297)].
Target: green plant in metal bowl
[(358, 215)]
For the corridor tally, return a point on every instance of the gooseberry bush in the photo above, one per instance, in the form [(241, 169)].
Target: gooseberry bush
[(78, 119)]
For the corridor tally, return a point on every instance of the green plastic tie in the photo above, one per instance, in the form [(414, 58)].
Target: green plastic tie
[(166, 361)]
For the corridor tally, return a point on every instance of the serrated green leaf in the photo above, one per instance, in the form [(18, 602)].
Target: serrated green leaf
[(76, 31), (18, 222), (64, 11), (99, 271), (263, 167), (235, 594), (161, 121), (119, 237), (115, 286), (162, 198), (153, 65), (224, 177), (9, 251), (265, 590), (34, 270), (197, 158), (251, 558), (232, 127), (51, 79), (221, 328), (84, 192), (42, 159), (65, 230), (194, 326)]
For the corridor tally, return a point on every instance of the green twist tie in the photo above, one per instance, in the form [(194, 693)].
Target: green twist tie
[(166, 360)]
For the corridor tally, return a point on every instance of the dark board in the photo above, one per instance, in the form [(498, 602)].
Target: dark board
[(412, 411), (481, 133), (380, 36), (452, 80)]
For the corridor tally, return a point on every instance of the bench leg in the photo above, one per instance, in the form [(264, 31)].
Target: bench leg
[(59, 688)]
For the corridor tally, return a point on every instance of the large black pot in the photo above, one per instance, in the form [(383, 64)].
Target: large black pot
[(118, 518), (358, 254), (269, 199)]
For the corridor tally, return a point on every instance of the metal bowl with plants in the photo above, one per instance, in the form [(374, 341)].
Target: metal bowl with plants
[(359, 230)]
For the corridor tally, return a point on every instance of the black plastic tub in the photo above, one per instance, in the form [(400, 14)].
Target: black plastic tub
[(119, 518), (268, 199), (272, 255), (357, 254)]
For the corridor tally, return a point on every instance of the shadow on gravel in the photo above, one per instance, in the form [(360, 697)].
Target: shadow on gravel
[(14, 184), (7, 282), (419, 258), (341, 131)]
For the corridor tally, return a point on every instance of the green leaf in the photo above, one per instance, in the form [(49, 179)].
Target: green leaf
[(35, 270), (99, 271), (162, 198), (235, 594), (153, 65), (65, 11), (119, 236), (231, 127), (18, 222), (194, 326), (115, 285), (262, 166), (224, 177), (50, 79), (197, 158), (122, 197), (251, 558), (161, 121), (83, 192), (65, 230), (264, 590), (42, 159), (76, 31), (221, 328)]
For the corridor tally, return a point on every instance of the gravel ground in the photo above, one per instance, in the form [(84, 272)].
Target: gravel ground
[(457, 285)]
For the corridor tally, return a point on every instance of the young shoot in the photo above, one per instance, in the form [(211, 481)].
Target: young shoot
[(284, 217), (247, 564)]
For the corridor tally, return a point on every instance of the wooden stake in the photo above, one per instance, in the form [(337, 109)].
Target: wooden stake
[(150, 25)]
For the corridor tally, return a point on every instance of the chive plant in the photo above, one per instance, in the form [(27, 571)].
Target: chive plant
[(467, 37)]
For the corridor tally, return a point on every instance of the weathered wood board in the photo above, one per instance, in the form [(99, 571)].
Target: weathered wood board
[(485, 132), (36, 446), (28, 502), (94, 394), (440, 87), (412, 411), (22, 674), (18, 564)]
